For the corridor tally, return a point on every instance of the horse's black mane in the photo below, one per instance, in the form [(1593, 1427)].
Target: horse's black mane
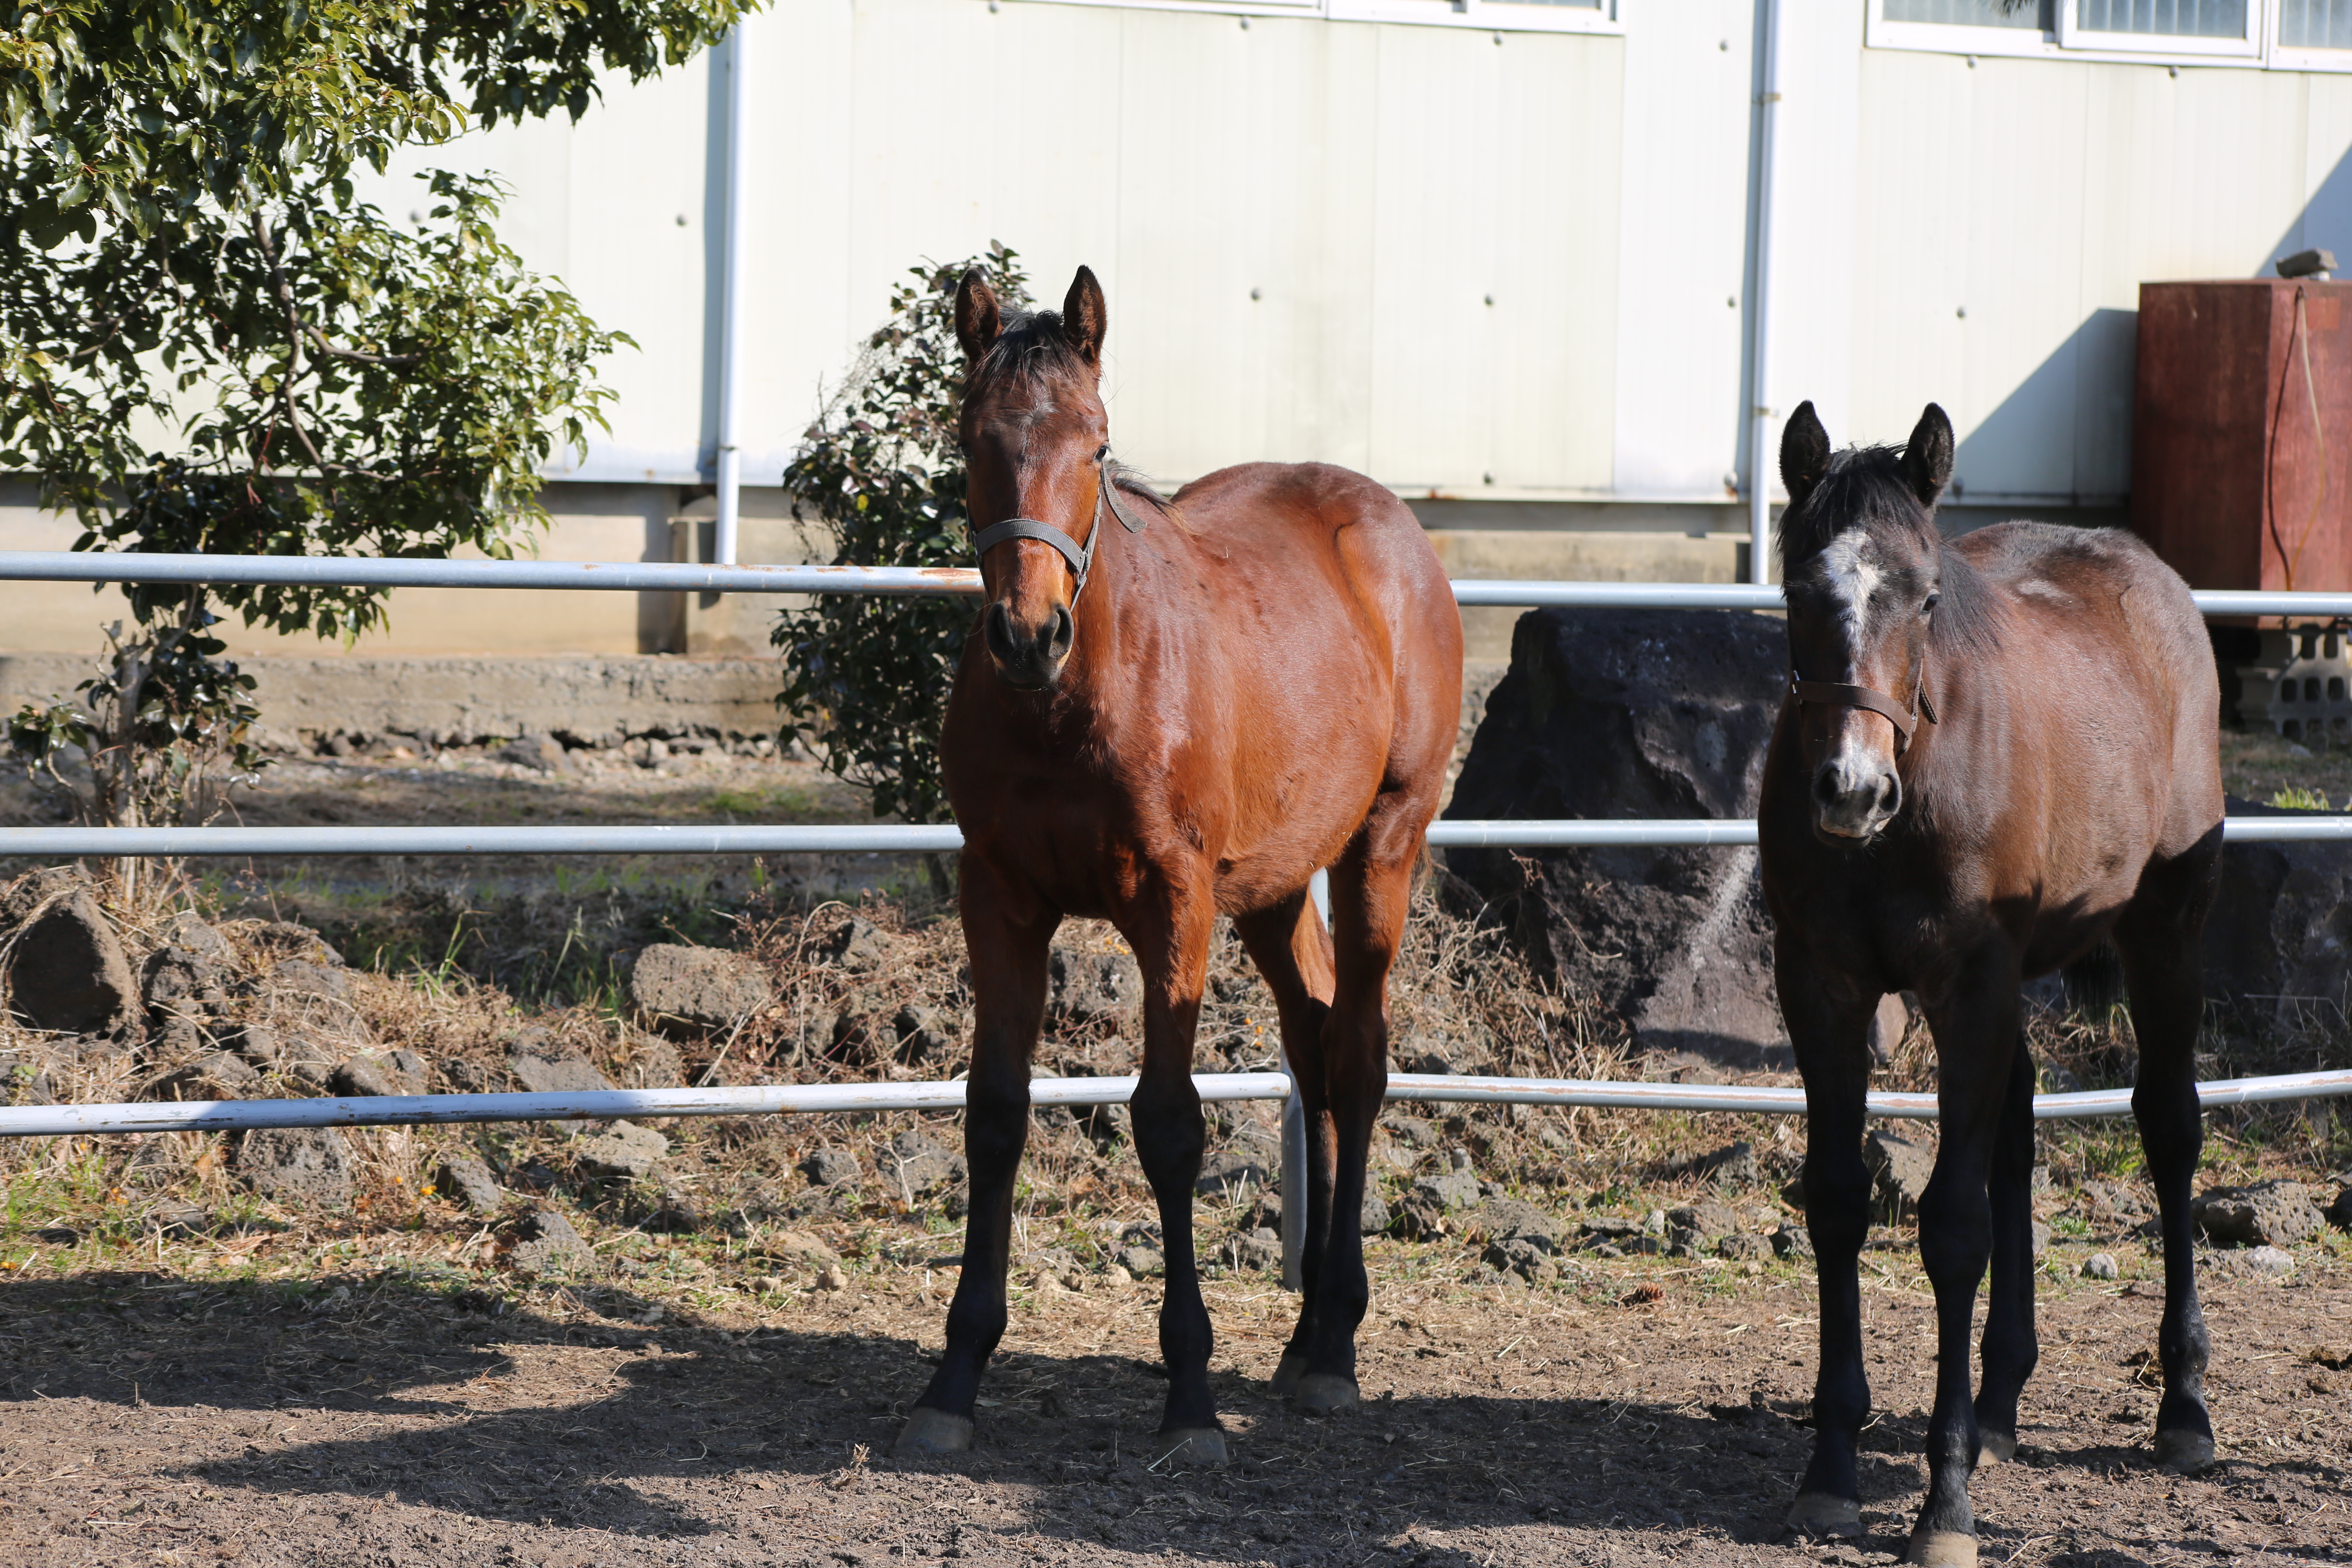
[(1032, 349), (1865, 487)]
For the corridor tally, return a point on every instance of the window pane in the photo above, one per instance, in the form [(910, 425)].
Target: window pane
[(1977, 13), (2166, 18), (2316, 24)]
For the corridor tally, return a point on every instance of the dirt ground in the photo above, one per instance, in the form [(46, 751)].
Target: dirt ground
[(148, 1418)]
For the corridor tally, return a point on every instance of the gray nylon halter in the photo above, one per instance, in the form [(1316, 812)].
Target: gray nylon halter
[(1082, 561)]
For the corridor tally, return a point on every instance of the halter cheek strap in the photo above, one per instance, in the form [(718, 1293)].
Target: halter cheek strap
[(1081, 559), (1834, 694)]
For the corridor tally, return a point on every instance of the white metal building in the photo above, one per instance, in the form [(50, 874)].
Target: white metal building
[(1504, 256)]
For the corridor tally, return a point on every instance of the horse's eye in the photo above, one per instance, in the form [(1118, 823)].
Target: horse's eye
[(1102, 451), (1929, 607)]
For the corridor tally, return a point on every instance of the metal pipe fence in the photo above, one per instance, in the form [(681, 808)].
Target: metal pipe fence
[(657, 576)]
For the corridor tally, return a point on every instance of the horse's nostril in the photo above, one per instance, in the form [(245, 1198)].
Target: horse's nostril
[(1000, 635), (1825, 789), (1066, 631), (1890, 795)]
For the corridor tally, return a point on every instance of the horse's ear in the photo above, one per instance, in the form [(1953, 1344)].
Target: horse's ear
[(1927, 456), (977, 319), (1804, 453), (1085, 317)]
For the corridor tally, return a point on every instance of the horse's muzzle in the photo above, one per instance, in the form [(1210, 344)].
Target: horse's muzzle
[(1855, 798), (1028, 659)]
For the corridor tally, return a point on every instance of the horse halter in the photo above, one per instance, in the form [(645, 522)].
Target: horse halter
[(1082, 561), (1835, 694)]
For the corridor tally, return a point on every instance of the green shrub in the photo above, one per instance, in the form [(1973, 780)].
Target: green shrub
[(869, 676)]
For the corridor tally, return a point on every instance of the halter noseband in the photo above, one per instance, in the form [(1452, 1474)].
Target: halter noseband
[(1082, 561), (1834, 694)]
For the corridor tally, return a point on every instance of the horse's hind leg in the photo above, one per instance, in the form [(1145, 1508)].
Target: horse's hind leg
[(1293, 952), (2010, 1349), (1169, 928), (1006, 934), (1371, 891), (2161, 938)]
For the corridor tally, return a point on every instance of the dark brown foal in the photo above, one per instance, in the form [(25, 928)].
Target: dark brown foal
[(1170, 711), (1996, 753)]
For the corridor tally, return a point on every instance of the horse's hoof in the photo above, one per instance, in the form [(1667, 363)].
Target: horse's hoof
[(1327, 1394), (1942, 1549), (930, 1433), (1189, 1449), (1819, 1514), (1288, 1372), (2185, 1452), (1995, 1447)]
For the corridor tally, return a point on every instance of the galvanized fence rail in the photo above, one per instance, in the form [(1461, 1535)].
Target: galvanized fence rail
[(642, 577)]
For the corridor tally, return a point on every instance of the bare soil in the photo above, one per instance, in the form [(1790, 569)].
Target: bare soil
[(159, 1419)]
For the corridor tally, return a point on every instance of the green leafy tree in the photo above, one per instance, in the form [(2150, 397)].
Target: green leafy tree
[(138, 111), (208, 344), (319, 380), (867, 676)]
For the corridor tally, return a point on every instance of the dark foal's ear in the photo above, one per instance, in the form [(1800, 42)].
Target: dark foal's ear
[(1085, 317), (977, 319), (1927, 456), (1804, 453)]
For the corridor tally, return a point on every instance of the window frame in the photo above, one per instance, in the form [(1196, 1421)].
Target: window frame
[(1481, 16), (2068, 41), (2299, 58), (2077, 41)]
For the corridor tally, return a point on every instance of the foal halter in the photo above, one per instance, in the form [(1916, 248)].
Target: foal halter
[(1082, 561), (1834, 694)]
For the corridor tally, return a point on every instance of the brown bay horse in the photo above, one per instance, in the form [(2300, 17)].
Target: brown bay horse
[(1995, 753), (1169, 710)]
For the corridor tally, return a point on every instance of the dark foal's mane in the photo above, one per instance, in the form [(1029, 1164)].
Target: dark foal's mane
[(1028, 356), (1865, 487)]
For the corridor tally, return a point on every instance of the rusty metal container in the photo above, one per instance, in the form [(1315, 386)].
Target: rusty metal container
[(2242, 432)]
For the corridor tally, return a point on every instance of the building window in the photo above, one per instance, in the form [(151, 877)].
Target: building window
[(2242, 33), (2034, 15)]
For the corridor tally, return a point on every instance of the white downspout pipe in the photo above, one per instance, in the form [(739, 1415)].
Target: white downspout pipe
[(730, 317), (1759, 312)]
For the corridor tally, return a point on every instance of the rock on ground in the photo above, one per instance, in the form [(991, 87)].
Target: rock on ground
[(697, 988), (1698, 1228), (859, 946), (544, 1065), (2270, 1214), (1731, 1167), (542, 753), (920, 1162), (461, 1175), (546, 1243), (215, 1075), (302, 977), (301, 1167), (1899, 1169), (1229, 1174), (924, 1034), (1636, 713), (1081, 987), (68, 974), (833, 1168), (623, 1151), (392, 1072)]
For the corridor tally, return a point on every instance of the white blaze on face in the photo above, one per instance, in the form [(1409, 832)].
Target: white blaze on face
[(1854, 579), (1858, 765)]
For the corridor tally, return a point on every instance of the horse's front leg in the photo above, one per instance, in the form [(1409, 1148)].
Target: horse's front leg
[(1828, 1017), (1006, 934), (1975, 1018), (1169, 926)]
